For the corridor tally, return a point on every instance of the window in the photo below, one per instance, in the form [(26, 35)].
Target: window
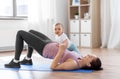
[(22, 7), (13, 8)]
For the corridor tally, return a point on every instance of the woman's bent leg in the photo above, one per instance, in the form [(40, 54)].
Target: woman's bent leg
[(32, 40), (39, 35), (30, 51)]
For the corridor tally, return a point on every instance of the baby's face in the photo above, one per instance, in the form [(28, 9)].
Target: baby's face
[(58, 30)]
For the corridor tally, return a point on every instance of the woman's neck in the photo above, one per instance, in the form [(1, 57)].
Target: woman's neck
[(81, 63)]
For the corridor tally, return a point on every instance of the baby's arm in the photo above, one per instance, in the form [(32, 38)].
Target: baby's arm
[(65, 43)]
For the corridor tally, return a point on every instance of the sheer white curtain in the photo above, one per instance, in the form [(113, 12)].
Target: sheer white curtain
[(41, 14), (110, 23)]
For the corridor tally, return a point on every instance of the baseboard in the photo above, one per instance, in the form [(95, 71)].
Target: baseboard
[(9, 48)]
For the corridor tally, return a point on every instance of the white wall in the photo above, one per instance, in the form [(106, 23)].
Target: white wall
[(62, 12), (8, 30), (59, 13)]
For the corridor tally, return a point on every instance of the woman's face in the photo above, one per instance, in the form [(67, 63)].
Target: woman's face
[(87, 59), (58, 30)]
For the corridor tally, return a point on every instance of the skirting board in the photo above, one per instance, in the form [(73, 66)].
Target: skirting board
[(9, 48)]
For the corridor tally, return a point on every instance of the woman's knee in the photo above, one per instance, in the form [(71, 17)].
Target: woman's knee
[(31, 31), (20, 32)]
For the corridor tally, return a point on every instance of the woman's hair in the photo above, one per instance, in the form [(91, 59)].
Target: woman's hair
[(95, 65)]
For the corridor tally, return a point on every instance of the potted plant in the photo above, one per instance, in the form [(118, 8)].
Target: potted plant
[(76, 15)]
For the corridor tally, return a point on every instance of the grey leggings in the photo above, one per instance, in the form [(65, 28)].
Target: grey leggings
[(34, 39)]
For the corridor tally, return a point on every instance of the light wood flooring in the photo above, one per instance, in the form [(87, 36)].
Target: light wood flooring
[(110, 62)]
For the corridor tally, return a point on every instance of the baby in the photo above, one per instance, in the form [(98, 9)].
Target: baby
[(62, 38)]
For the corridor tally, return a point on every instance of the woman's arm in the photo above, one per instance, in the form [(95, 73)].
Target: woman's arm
[(67, 65), (58, 56), (65, 42)]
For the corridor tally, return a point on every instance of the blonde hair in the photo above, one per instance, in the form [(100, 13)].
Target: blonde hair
[(56, 24)]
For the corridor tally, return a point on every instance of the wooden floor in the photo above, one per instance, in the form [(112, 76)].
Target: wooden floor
[(110, 62)]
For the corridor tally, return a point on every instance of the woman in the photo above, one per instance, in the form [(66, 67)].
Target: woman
[(62, 58)]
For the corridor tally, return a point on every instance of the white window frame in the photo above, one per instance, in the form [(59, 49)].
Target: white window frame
[(14, 17)]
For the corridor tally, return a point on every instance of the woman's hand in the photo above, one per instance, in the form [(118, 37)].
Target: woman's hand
[(57, 44), (62, 47)]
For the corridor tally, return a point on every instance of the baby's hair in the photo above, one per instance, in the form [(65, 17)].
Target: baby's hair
[(56, 24)]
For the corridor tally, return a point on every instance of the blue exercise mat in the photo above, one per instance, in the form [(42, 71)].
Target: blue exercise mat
[(41, 67)]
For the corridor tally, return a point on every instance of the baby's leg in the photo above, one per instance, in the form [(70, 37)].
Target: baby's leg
[(73, 47)]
